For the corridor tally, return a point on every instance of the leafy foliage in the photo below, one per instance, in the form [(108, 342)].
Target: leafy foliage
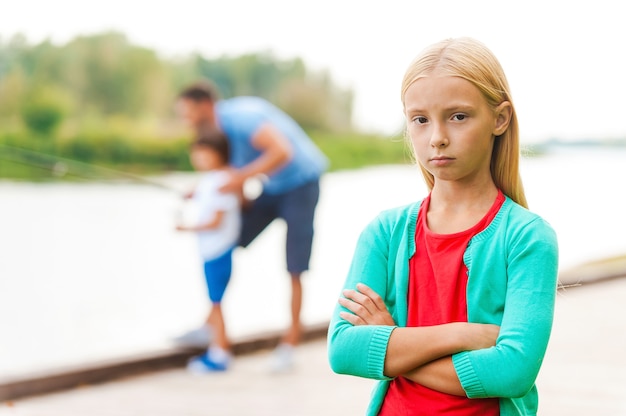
[(101, 100), (44, 110), (104, 75)]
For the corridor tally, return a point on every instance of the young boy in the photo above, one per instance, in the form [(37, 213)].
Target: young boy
[(217, 226)]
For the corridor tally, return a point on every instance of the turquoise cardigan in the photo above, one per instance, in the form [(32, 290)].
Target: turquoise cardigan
[(512, 282)]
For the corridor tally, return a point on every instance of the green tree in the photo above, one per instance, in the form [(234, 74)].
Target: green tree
[(108, 78), (44, 109), (115, 77), (311, 98)]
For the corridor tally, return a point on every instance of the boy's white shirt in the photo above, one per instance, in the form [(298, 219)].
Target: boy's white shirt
[(208, 200)]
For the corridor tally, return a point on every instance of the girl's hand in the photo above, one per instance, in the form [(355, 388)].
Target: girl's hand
[(367, 307)]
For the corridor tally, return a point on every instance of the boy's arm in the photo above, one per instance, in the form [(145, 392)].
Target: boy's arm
[(214, 223)]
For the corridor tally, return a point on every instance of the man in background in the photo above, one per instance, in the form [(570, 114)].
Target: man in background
[(266, 142)]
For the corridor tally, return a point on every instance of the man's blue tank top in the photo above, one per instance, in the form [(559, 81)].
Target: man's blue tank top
[(241, 117)]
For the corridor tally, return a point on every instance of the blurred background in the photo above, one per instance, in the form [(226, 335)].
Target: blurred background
[(93, 156)]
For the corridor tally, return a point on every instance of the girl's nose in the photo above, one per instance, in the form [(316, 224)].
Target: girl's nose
[(439, 137)]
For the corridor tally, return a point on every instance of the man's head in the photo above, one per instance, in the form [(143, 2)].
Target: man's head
[(196, 103)]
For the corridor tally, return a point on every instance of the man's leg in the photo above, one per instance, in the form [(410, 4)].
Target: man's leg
[(256, 217), (297, 208), (298, 211), (292, 336)]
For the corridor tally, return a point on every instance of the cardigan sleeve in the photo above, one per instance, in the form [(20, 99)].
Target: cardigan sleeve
[(360, 350), (511, 367)]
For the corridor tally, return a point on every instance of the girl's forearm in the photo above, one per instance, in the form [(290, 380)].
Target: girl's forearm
[(438, 375), (412, 347)]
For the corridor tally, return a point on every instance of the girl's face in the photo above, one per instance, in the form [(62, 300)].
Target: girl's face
[(452, 128), (205, 158)]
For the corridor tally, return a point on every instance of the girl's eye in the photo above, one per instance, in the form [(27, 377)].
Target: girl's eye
[(459, 117), (420, 120)]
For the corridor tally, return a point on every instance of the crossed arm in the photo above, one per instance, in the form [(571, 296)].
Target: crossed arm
[(431, 364), (367, 337)]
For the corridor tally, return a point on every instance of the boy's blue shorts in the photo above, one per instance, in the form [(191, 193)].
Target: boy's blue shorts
[(217, 274)]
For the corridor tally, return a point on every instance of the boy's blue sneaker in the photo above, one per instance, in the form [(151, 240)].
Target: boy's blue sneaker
[(205, 364)]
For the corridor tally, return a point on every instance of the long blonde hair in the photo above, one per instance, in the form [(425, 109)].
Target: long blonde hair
[(471, 60)]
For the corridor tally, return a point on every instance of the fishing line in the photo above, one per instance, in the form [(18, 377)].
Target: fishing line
[(61, 167)]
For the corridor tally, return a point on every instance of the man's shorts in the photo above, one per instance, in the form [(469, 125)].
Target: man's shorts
[(217, 274), (297, 208)]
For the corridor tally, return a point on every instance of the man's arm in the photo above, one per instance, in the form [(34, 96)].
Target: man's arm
[(275, 152)]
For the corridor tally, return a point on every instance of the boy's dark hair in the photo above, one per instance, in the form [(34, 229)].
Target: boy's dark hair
[(212, 138), (203, 90)]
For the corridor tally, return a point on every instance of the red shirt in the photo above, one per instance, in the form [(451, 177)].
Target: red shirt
[(437, 295)]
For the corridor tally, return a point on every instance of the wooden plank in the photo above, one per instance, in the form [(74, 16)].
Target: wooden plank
[(106, 371)]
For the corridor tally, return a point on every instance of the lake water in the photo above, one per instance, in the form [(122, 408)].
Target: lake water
[(96, 271)]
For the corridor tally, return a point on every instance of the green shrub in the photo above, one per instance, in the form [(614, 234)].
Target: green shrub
[(353, 150), (44, 109), (84, 153)]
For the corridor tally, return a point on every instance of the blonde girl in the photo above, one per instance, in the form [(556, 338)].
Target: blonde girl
[(449, 300)]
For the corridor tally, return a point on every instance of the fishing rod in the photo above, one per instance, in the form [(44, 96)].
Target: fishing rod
[(61, 167)]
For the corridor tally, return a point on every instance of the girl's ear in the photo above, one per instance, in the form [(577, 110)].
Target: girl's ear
[(503, 113)]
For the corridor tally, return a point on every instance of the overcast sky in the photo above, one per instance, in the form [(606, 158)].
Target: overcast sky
[(565, 60)]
